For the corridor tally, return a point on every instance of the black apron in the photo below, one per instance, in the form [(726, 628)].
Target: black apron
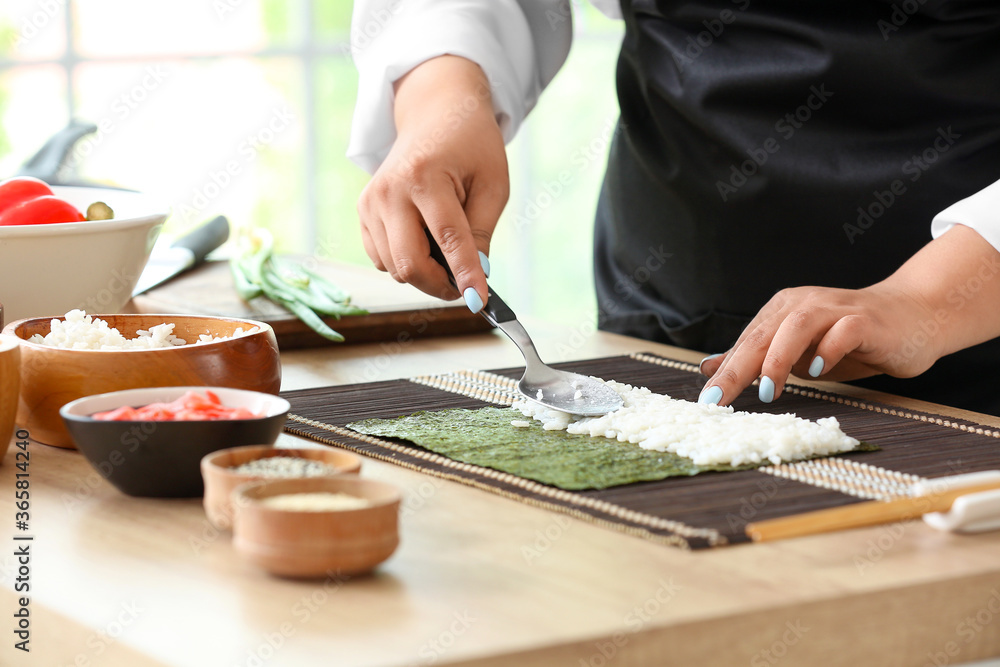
[(766, 144)]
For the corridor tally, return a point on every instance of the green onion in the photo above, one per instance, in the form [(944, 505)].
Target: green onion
[(307, 295)]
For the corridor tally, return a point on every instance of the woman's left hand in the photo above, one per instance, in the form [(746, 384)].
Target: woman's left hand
[(899, 326)]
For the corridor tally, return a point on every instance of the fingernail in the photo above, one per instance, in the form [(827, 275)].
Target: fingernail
[(472, 299), (711, 396), (766, 390), (816, 367), (709, 357), (484, 261)]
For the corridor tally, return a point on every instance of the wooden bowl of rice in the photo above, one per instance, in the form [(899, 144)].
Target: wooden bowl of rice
[(239, 357)]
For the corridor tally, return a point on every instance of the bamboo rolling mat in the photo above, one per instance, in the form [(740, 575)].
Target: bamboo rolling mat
[(709, 509)]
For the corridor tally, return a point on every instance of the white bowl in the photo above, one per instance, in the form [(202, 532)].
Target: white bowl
[(48, 270)]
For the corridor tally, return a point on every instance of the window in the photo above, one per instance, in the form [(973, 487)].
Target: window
[(242, 107)]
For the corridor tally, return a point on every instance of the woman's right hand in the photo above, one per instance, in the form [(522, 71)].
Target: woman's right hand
[(447, 171)]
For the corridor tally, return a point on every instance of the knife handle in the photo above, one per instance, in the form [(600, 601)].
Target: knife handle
[(205, 238), (495, 311)]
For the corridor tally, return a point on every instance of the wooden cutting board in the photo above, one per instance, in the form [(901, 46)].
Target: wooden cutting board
[(396, 312)]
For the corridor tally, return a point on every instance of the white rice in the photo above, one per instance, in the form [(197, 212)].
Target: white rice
[(80, 331), (706, 434)]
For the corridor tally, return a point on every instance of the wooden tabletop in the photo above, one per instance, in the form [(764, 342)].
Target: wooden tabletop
[(478, 579)]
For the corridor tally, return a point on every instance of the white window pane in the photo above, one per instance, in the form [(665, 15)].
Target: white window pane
[(217, 137), (338, 180), (32, 108), (181, 27), (543, 246), (32, 29)]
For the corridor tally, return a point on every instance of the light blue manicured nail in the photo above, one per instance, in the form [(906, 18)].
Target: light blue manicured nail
[(816, 367), (766, 390), (472, 299), (709, 357), (485, 262), (711, 396)]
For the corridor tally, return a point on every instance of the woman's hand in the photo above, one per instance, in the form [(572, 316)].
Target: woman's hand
[(447, 171), (943, 299)]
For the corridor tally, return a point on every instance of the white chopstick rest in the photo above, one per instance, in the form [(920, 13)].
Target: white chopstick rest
[(974, 513)]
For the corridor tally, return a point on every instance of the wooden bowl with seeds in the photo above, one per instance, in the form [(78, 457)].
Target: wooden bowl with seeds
[(319, 527), (227, 469)]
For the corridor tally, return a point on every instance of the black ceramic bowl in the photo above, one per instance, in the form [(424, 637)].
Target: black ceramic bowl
[(162, 459)]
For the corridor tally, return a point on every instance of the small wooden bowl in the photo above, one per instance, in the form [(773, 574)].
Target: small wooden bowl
[(52, 377), (316, 544), (220, 480)]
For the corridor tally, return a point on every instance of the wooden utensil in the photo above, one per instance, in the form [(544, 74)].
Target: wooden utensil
[(10, 358), (316, 544), (221, 479), (52, 377), (861, 514)]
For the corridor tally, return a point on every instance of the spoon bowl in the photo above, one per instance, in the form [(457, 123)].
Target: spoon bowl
[(559, 390), (568, 392)]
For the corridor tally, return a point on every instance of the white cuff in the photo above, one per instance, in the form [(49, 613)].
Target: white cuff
[(494, 34), (981, 212)]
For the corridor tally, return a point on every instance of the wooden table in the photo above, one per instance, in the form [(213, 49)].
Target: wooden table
[(479, 580)]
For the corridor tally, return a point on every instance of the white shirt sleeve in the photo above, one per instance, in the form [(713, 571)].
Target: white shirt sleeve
[(520, 44), (980, 211)]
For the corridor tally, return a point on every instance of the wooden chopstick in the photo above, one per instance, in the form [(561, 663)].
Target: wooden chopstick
[(860, 514)]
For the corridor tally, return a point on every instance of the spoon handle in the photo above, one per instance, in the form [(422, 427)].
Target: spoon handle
[(495, 311)]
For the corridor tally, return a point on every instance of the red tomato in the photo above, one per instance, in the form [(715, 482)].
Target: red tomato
[(40, 211), (16, 190)]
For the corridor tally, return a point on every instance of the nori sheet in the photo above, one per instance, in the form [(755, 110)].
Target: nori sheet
[(485, 437)]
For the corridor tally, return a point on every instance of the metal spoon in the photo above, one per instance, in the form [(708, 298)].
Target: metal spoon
[(560, 390)]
